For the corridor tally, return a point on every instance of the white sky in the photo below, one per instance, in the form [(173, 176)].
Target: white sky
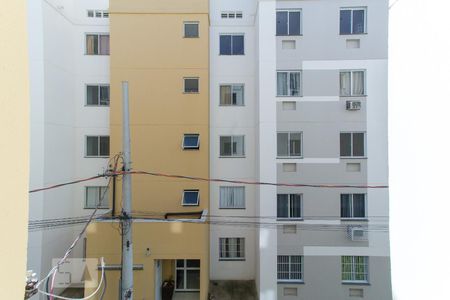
[(420, 148)]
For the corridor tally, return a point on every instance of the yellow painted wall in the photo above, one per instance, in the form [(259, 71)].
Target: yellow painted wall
[(14, 146), (149, 51)]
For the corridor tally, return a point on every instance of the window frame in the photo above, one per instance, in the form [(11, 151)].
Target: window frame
[(353, 270), (238, 14), (191, 23), (232, 138), (185, 268), (299, 10), (188, 204), (98, 34), (99, 85), (364, 8), (241, 250), (289, 217), (184, 85), (351, 145), (232, 85), (289, 156), (98, 144), (100, 193), (351, 71), (290, 272), (300, 86), (197, 147), (231, 43), (352, 212), (234, 187)]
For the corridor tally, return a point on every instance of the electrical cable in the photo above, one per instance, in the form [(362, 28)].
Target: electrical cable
[(66, 183)]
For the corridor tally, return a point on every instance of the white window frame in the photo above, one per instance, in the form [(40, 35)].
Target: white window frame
[(98, 144), (98, 34), (300, 87), (232, 138), (351, 82), (242, 251), (189, 204), (229, 207), (289, 208), (232, 85), (97, 85), (351, 144), (90, 11), (351, 19), (288, 26), (191, 23), (352, 212), (100, 194), (185, 269), (290, 268), (231, 14), (189, 147), (232, 34), (198, 85), (289, 144), (353, 270)]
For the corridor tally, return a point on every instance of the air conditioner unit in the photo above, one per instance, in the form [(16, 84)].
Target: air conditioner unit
[(353, 105), (357, 233)]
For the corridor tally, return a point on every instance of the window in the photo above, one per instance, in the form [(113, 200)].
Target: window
[(97, 95), (105, 14), (352, 83), (191, 30), (191, 85), (97, 44), (187, 274), (90, 13), (97, 146), (353, 21), (96, 196), (191, 141), (190, 197), (97, 13), (353, 206), (355, 268), (289, 206), (231, 44), (288, 83), (288, 22), (232, 95), (231, 249), (232, 146), (232, 197), (231, 14), (352, 144), (290, 268), (289, 144)]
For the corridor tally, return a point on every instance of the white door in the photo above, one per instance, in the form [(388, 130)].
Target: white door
[(158, 279)]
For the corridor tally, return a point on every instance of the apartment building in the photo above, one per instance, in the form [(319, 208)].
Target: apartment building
[(69, 101), (299, 95), (161, 49)]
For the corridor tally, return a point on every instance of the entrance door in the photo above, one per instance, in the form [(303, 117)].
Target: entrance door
[(158, 279)]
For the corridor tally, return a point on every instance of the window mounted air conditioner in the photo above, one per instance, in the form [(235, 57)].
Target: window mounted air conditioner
[(357, 234), (353, 105)]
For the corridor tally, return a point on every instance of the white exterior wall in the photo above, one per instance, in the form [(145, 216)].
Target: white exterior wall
[(60, 120)]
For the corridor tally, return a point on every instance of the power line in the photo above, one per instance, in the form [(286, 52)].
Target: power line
[(66, 183)]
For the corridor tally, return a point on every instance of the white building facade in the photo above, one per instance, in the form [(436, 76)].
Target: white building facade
[(299, 96), (68, 68)]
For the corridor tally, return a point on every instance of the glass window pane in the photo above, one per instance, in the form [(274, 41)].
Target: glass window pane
[(91, 44), (225, 44), (190, 30), (282, 86), (282, 144), (104, 146), (359, 206), (191, 85), (91, 197), (345, 84), (180, 279), (225, 146), (294, 83), (238, 146), (345, 21), (180, 263), (295, 209), (104, 44), (92, 146), (92, 95), (358, 144), (358, 83), (103, 197), (294, 23), (191, 141), (282, 206), (345, 141), (345, 206), (295, 144), (358, 21), (104, 95), (282, 23), (225, 95), (190, 198), (238, 95), (193, 279), (193, 263), (238, 44)]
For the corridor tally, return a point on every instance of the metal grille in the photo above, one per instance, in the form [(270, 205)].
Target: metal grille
[(289, 267)]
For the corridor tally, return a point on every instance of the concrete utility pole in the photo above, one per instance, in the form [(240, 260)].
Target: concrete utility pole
[(127, 233)]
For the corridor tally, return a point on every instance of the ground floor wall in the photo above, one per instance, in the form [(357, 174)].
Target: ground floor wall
[(152, 242)]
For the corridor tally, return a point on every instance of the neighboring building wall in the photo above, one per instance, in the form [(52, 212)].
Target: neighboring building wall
[(60, 119), (14, 124)]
